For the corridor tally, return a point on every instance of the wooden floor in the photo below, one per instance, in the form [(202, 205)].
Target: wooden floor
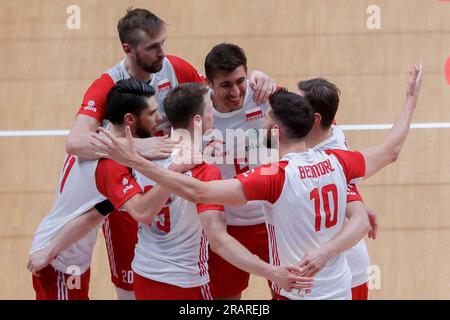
[(46, 68)]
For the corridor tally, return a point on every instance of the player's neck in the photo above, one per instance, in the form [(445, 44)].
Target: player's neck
[(135, 72), (188, 139), (117, 131), (292, 146), (318, 135)]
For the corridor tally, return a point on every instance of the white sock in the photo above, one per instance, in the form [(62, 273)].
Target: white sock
[(124, 294)]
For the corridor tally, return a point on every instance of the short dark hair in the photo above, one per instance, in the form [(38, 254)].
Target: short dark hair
[(136, 20), (323, 97), (293, 111), (184, 102), (127, 96), (224, 57)]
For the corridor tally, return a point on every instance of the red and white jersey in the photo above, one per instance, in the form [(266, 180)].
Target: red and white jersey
[(308, 193), (336, 141), (250, 118), (357, 257), (174, 249), (76, 194), (83, 184), (174, 71)]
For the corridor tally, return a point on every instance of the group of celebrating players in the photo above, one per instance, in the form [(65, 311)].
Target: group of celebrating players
[(176, 225)]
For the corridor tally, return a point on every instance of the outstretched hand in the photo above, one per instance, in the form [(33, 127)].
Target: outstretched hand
[(155, 148), (123, 151), (415, 83)]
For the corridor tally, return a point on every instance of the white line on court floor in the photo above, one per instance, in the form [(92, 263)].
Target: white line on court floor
[(348, 127)]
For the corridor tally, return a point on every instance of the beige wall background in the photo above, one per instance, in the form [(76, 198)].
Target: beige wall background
[(45, 69)]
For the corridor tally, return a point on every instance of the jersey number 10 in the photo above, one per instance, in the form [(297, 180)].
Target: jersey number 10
[(330, 221)]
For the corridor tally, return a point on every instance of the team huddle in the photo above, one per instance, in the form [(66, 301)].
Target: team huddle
[(188, 212)]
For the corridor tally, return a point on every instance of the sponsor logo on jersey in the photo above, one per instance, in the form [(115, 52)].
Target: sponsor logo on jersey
[(248, 172), (351, 190), (90, 106), (164, 85), (127, 188), (125, 182), (253, 114)]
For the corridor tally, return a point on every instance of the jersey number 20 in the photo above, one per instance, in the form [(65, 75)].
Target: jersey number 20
[(326, 192)]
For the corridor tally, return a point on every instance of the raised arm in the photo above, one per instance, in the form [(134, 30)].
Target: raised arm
[(231, 250), (380, 156)]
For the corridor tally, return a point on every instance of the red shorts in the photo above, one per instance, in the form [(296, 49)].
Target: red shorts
[(226, 279), (120, 231), (55, 285), (361, 292), (147, 289)]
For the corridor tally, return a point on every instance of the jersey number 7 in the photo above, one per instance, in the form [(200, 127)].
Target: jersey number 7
[(326, 191), (68, 164)]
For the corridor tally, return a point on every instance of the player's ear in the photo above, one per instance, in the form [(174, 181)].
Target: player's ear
[(275, 130), (197, 119), (127, 49), (197, 126), (317, 119), (128, 119), (209, 83)]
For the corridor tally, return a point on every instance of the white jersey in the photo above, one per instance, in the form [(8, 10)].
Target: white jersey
[(357, 257), (174, 71), (250, 118), (163, 82), (174, 249), (77, 193), (308, 196)]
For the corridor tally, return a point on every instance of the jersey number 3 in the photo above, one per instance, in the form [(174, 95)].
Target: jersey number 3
[(163, 215), (326, 192)]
